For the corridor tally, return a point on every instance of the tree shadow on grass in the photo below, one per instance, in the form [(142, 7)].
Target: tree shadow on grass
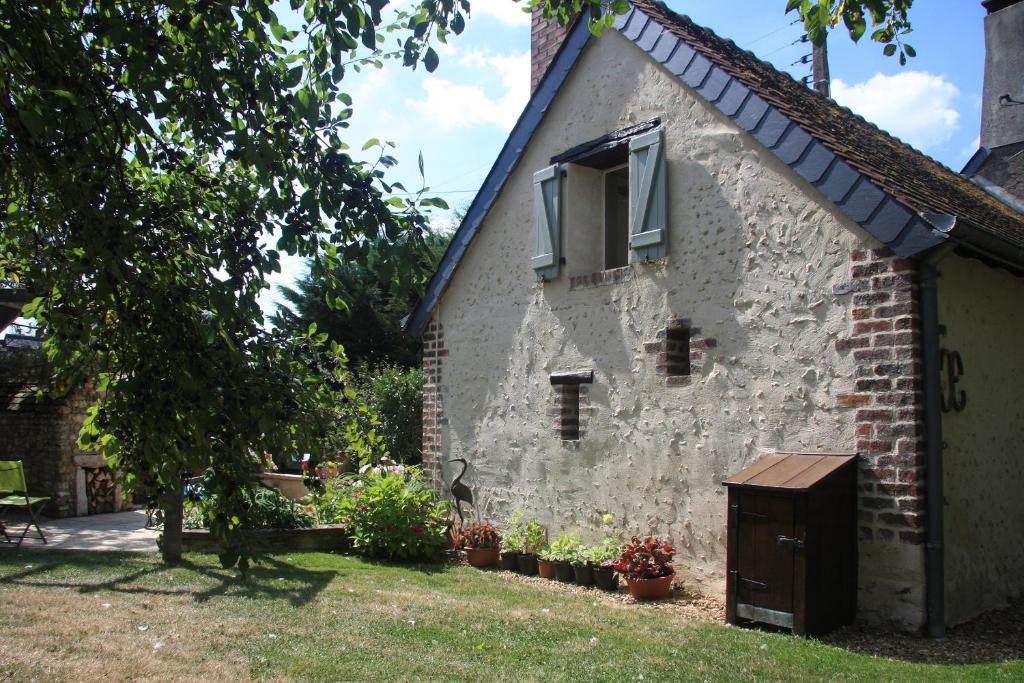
[(269, 579)]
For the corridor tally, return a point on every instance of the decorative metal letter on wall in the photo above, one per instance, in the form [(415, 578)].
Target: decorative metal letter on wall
[(952, 365)]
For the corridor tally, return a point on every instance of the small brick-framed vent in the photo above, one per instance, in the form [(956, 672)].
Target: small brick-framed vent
[(679, 351), (572, 403)]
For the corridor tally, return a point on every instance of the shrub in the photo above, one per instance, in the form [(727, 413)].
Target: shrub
[(395, 394), (480, 536), (264, 509), (650, 558), (388, 512)]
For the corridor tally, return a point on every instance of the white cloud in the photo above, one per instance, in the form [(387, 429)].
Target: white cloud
[(915, 106), (452, 105), (506, 11)]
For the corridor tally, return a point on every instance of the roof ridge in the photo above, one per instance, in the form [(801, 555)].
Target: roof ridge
[(775, 86), (810, 92)]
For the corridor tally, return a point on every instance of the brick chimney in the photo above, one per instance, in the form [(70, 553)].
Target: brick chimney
[(1002, 108), (546, 36)]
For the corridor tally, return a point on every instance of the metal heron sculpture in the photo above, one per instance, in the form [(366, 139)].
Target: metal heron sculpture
[(461, 492)]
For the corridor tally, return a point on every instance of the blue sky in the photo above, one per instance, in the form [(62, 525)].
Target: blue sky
[(459, 116)]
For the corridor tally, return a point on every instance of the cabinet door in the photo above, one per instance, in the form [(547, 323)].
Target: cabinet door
[(765, 566)]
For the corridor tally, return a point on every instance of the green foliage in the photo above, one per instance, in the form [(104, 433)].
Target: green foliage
[(388, 512), (358, 305), (535, 537), (608, 550), (155, 160), (395, 395), (266, 509), (888, 19), (565, 548), (514, 534)]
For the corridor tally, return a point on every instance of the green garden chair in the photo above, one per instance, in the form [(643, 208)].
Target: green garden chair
[(14, 494)]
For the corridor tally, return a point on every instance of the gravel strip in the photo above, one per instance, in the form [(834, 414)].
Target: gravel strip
[(996, 636), (682, 603)]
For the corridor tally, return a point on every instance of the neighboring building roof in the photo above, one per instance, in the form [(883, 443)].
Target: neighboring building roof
[(11, 303), (905, 199), (1000, 172)]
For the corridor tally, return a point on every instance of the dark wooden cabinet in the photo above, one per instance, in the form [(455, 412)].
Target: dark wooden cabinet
[(792, 549)]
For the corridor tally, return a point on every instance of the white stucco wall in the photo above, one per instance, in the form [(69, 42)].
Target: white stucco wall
[(983, 462), (753, 255)]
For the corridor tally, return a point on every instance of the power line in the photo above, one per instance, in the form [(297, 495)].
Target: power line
[(773, 32)]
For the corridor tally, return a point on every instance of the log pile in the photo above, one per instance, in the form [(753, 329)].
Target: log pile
[(101, 491)]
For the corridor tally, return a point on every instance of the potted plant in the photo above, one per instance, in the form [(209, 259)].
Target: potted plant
[(534, 539), (545, 564), (512, 542), (482, 543), (603, 558), (581, 568), (647, 567), (562, 552)]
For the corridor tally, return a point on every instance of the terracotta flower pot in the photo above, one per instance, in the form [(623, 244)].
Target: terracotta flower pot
[(546, 569), (606, 578), (564, 572), (482, 557), (584, 574), (527, 564), (510, 562), (650, 589)]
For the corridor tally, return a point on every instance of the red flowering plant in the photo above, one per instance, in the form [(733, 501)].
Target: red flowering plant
[(650, 558), (479, 536)]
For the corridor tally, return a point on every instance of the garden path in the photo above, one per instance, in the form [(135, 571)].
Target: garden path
[(120, 531)]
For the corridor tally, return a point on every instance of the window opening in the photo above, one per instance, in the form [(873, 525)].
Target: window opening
[(616, 218)]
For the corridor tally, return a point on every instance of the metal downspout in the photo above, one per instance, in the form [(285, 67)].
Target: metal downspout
[(934, 566)]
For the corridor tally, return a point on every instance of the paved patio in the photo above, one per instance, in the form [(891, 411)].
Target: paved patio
[(121, 531)]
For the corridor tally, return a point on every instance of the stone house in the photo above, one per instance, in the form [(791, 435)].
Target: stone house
[(683, 259), (42, 430)]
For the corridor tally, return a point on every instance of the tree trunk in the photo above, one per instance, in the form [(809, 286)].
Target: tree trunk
[(170, 541)]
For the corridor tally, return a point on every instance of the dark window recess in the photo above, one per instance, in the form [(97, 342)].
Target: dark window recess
[(616, 218), (569, 417), (567, 388), (675, 359)]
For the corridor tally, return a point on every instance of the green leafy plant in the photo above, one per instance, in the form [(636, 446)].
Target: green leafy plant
[(395, 395), (266, 509), (605, 553), (480, 536), (515, 533), (889, 19), (535, 537), (565, 548), (388, 512)]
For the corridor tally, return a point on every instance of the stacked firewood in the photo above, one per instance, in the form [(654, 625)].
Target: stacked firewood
[(101, 490)]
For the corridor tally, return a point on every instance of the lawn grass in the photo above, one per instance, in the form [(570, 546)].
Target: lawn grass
[(109, 616)]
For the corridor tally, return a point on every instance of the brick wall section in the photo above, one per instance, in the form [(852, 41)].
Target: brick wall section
[(546, 36), (887, 394), (434, 353), (679, 351), (571, 408), (43, 434)]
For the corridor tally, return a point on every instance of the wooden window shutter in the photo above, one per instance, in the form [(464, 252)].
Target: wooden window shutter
[(648, 199), (547, 222)]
